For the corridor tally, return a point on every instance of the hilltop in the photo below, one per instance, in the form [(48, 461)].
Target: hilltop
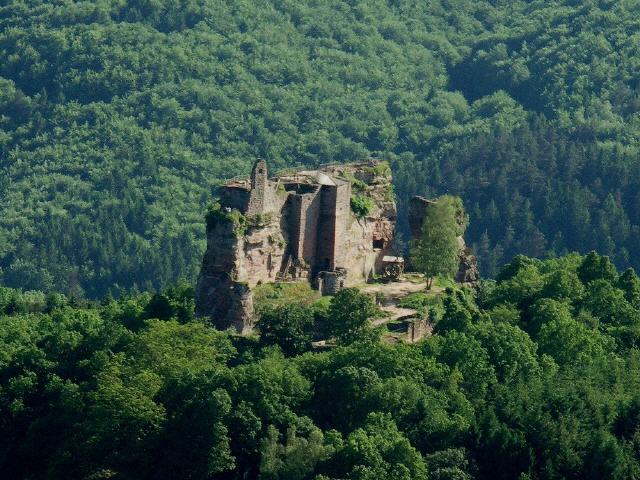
[(118, 118)]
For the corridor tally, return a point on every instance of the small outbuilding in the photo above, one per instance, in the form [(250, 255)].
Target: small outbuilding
[(392, 267)]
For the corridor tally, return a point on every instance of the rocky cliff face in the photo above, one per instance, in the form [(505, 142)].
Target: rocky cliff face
[(221, 294), (241, 252)]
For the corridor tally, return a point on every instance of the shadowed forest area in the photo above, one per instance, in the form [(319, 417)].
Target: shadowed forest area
[(535, 376), (119, 117)]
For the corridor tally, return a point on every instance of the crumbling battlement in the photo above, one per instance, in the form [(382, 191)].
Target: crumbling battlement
[(295, 226)]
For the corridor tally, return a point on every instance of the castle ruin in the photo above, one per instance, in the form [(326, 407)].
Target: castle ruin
[(297, 226), (332, 227)]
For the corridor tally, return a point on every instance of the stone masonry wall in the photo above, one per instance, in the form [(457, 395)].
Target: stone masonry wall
[(309, 224), (361, 259), (280, 225), (237, 198), (304, 217), (259, 185), (326, 259), (342, 215)]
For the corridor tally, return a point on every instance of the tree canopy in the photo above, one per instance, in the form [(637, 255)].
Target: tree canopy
[(436, 251), (119, 118), (535, 375)]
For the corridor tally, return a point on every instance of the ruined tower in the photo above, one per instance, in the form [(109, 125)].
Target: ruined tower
[(258, 200)]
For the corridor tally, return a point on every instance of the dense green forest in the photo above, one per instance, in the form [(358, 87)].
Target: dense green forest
[(119, 117), (534, 376)]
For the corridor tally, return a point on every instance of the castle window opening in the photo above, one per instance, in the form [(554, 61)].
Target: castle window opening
[(378, 244), (300, 188)]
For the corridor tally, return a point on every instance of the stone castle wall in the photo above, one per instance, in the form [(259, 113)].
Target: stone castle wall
[(305, 215), (342, 215), (259, 187), (326, 259), (235, 197), (290, 227)]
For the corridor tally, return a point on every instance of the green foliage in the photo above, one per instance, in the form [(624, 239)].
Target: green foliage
[(424, 303), (275, 295), (596, 267), (347, 319), (536, 376), (382, 169), (379, 450), (217, 215), (630, 284), (450, 464), (455, 316), (289, 326), (416, 301), (361, 206), (356, 184), (436, 251), (296, 458), (175, 302)]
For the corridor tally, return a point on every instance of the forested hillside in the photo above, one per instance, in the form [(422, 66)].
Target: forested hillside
[(118, 118), (535, 377)]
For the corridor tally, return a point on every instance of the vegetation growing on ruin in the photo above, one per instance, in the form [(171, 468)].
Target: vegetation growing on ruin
[(217, 214), (258, 220), (535, 375), (361, 206), (357, 185), (382, 169)]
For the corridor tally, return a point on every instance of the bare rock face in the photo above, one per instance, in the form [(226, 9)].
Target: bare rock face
[(241, 252), (468, 271), (220, 295)]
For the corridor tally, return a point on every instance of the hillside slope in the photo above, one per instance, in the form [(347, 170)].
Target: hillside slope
[(117, 119)]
